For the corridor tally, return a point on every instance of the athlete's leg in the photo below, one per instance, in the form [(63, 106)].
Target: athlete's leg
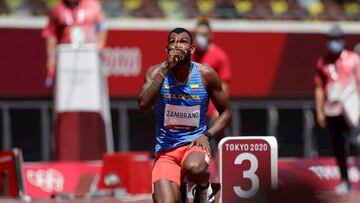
[(195, 166), (196, 169), (166, 176), (166, 191)]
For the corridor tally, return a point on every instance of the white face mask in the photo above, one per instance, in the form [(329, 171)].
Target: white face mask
[(202, 41), (335, 46)]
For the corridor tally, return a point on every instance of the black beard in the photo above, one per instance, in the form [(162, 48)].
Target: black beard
[(185, 59)]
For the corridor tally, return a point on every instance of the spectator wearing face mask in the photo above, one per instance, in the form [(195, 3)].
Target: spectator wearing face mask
[(337, 85), (207, 52), (210, 54)]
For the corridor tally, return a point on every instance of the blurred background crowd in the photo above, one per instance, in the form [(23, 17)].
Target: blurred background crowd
[(329, 10)]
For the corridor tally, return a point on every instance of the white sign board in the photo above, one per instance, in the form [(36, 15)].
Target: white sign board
[(78, 79)]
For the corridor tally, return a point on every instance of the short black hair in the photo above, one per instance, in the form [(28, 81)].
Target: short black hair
[(203, 22), (179, 30)]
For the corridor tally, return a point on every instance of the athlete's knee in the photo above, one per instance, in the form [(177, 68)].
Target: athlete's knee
[(195, 168)]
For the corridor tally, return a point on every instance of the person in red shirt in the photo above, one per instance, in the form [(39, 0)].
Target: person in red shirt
[(337, 86), (210, 54), (75, 22)]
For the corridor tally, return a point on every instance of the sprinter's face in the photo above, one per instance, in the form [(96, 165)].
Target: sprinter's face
[(182, 43)]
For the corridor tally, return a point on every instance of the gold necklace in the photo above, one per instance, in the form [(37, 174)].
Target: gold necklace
[(186, 79)]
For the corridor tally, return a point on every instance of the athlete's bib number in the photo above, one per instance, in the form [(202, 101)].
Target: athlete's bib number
[(181, 117)]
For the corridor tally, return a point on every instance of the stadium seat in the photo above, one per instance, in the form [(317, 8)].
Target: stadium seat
[(114, 8), (315, 9), (51, 3), (148, 9), (18, 7), (38, 7), (296, 12), (262, 9), (132, 4), (172, 9), (352, 9), (205, 6), (243, 7), (279, 8), (225, 9), (191, 9), (4, 9), (333, 11)]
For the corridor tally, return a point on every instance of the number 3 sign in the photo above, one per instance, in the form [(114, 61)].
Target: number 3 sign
[(248, 167)]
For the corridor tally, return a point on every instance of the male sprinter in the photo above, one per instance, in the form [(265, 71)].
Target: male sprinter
[(179, 90)]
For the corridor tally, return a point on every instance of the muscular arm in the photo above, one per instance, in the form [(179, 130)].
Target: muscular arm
[(50, 51), (220, 99), (319, 104), (151, 88)]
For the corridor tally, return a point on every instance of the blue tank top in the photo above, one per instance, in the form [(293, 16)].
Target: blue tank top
[(180, 111)]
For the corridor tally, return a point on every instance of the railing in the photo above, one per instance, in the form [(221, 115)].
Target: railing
[(272, 108), (122, 107)]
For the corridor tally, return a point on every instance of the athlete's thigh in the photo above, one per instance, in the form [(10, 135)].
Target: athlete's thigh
[(166, 191), (167, 168), (166, 176)]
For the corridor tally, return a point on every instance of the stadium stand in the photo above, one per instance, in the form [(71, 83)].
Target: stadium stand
[(147, 9), (314, 10), (171, 9), (38, 7), (243, 7), (114, 8)]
